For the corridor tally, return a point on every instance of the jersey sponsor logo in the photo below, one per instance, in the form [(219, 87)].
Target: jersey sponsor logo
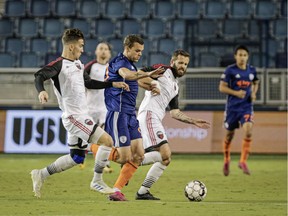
[(160, 134), (123, 139), (243, 83), (88, 122), (251, 76)]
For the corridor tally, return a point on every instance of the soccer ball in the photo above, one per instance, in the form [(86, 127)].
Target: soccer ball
[(195, 191)]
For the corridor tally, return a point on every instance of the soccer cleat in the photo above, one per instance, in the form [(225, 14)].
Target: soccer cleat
[(107, 169), (226, 168), (117, 196), (244, 167), (37, 180), (101, 187), (146, 196)]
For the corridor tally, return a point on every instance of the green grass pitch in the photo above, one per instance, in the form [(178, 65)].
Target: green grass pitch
[(262, 193)]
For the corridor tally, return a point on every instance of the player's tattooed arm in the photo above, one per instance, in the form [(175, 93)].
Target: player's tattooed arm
[(132, 75), (180, 116)]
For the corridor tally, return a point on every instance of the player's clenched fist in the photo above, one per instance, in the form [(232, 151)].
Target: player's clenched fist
[(43, 97)]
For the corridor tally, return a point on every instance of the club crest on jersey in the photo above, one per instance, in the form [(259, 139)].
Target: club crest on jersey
[(78, 65), (123, 139), (251, 76), (160, 134), (237, 76), (88, 122), (223, 76)]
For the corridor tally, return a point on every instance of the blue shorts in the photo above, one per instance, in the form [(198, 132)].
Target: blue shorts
[(234, 120), (122, 127)]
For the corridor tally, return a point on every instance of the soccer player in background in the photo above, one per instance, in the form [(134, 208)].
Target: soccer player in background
[(121, 122), (69, 82), (95, 98), (240, 83), (151, 113)]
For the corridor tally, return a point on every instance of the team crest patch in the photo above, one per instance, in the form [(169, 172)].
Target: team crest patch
[(88, 122), (251, 76), (237, 76), (123, 139), (78, 66), (160, 134), (223, 76)]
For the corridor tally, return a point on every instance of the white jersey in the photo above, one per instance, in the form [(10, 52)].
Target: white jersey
[(157, 104), (69, 87), (95, 97)]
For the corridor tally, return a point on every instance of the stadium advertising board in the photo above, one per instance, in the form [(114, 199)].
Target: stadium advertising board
[(30, 131), (186, 138)]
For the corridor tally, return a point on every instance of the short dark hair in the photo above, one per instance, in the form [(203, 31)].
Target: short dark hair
[(180, 52), (129, 40), (72, 35), (243, 47)]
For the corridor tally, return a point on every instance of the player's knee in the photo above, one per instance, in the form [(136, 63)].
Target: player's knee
[(229, 136), (166, 161), (106, 140), (77, 155), (138, 158), (248, 135)]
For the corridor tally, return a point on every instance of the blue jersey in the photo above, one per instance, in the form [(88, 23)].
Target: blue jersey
[(117, 99), (238, 79)]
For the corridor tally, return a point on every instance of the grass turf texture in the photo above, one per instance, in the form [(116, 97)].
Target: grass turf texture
[(68, 193)]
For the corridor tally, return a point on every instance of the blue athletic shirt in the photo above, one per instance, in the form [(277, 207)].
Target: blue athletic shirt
[(117, 99), (239, 79)]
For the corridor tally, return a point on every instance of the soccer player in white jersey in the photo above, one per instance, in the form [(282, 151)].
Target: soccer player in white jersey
[(150, 115), (69, 81)]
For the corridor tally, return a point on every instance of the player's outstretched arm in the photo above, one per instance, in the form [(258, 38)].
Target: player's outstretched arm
[(180, 116), (132, 75), (150, 85), (123, 85)]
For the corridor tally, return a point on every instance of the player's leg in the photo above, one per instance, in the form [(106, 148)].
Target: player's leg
[(128, 135), (154, 173), (231, 122), (76, 156), (246, 143), (105, 141)]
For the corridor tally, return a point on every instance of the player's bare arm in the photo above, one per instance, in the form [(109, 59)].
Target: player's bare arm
[(123, 85), (150, 85), (180, 116), (223, 87), (132, 75), (255, 86)]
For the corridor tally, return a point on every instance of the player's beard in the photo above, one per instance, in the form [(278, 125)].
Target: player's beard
[(176, 71)]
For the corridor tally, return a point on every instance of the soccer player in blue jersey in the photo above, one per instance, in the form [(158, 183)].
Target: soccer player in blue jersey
[(121, 122), (240, 83)]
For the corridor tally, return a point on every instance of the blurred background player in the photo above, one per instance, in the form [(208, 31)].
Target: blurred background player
[(151, 113), (95, 98), (240, 83), (121, 122), (69, 82)]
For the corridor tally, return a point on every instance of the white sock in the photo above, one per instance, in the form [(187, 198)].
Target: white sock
[(61, 164), (101, 160), (151, 157), (152, 176)]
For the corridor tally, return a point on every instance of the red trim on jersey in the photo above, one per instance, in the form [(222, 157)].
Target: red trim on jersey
[(55, 61), (150, 128), (79, 125)]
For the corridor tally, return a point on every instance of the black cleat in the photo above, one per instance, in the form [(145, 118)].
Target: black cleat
[(147, 196)]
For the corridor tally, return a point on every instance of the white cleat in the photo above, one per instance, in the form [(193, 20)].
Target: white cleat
[(37, 180), (101, 187)]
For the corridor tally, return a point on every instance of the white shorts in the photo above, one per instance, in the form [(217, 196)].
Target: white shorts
[(152, 130), (98, 117), (81, 127)]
